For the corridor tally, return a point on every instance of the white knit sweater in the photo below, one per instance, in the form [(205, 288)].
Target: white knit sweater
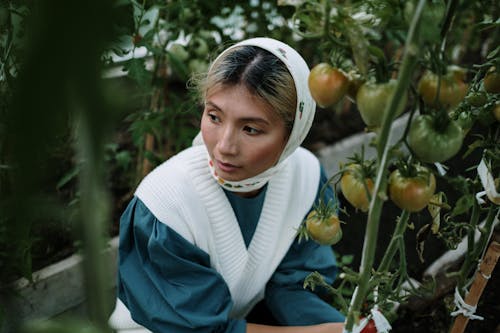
[(182, 194)]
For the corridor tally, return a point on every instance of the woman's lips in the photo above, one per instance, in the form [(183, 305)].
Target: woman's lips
[(226, 167)]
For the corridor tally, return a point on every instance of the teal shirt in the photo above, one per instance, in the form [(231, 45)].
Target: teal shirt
[(168, 285), (247, 211)]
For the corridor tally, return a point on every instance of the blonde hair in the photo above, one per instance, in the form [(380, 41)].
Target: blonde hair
[(261, 72)]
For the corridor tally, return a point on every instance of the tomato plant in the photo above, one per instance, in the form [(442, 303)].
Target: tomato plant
[(414, 39), (356, 185), (324, 228), (412, 188), (328, 85), (452, 89), (433, 140), (372, 100)]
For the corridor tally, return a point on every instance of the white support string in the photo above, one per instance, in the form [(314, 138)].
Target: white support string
[(464, 309), (488, 183), (441, 169), (381, 323), (360, 326)]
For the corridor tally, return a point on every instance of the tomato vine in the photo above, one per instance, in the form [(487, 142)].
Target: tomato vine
[(444, 106)]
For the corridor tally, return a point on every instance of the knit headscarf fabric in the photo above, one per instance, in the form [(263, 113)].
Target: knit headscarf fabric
[(304, 113)]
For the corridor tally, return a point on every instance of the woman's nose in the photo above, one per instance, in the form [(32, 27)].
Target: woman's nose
[(228, 142)]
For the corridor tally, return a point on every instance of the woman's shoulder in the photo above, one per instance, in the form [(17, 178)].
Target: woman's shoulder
[(177, 169), (168, 192), (305, 164), (172, 181), (303, 153)]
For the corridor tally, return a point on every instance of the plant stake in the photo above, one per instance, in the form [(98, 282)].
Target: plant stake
[(483, 274)]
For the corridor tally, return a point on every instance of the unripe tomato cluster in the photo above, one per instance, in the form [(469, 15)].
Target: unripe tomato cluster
[(441, 95), (410, 192)]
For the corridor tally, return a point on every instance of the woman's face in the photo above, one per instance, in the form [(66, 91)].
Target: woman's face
[(244, 137)]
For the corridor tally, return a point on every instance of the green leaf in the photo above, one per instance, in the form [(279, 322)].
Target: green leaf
[(347, 259), (422, 235), (463, 205), (137, 71), (70, 175), (435, 211), (123, 159)]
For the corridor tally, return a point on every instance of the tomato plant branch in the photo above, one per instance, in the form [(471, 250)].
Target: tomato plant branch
[(468, 261), (316, 279), (326, 26), (383, 149), (451, 7), (393, 244)]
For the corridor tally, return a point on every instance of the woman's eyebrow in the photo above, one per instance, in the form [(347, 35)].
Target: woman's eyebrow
[(254, 120), (213, 105), (244, 119)]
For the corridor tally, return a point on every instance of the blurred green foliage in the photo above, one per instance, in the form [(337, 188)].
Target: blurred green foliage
[(73, 134)]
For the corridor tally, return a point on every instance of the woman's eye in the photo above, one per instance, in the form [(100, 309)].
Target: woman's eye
[(251, 130), (213, 117)]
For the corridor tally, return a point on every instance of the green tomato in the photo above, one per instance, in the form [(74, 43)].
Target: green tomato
[(178, 51), (372, 100), (452, 89), (477, 98), (324, 230), (197, 66), (465, 120), (496, 111), (491, 82), (432, 144), (199, 47)]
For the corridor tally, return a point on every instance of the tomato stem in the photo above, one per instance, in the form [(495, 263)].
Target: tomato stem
[(450, 15), (393, 244), (383, 149), (441, 120), (326, 26)]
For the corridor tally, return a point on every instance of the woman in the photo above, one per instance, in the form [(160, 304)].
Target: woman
[(213, 230)]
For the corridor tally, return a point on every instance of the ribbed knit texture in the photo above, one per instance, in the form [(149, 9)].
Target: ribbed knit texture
[(182, 194)]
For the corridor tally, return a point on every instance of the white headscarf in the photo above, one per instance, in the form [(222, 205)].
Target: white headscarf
[(304, 113)]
